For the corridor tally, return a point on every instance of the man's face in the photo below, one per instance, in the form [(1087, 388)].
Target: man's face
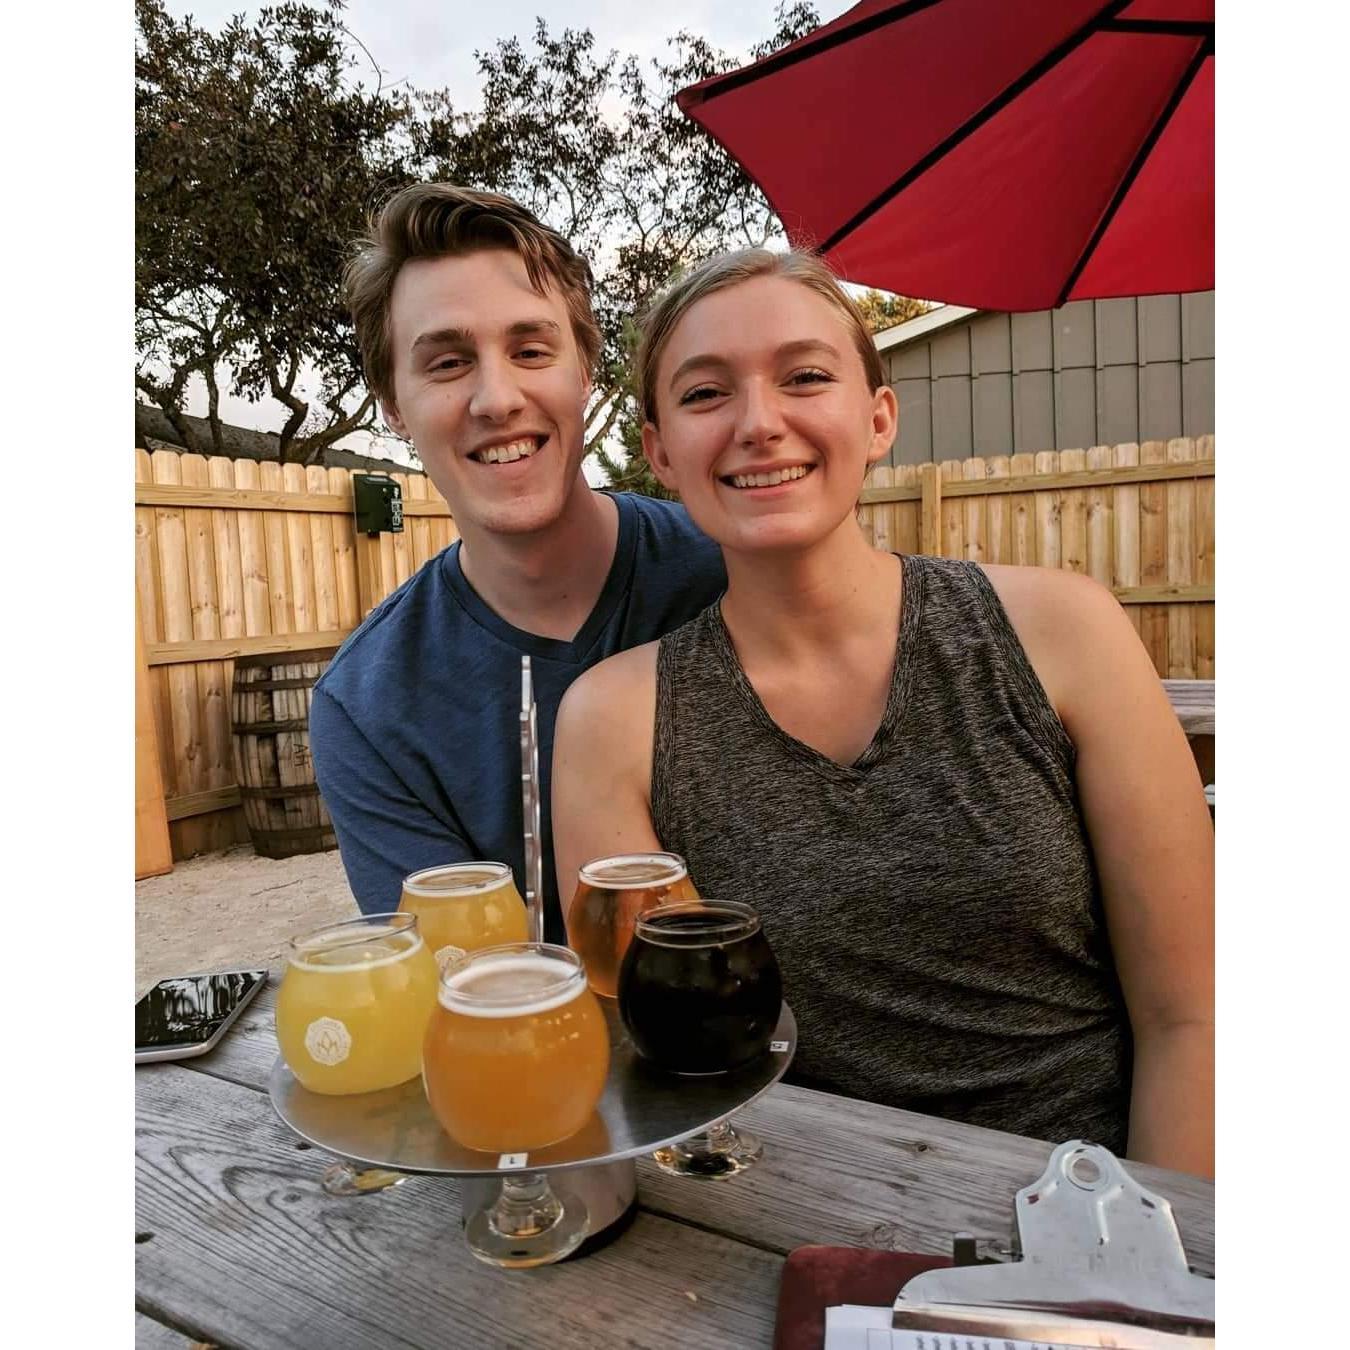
[(490, 388)]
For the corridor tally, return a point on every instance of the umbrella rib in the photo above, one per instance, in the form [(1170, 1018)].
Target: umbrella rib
[(968, 128), (805, 49), (1136, 167)]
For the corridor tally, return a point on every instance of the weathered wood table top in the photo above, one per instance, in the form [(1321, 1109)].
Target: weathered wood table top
[(1193, 703), (238, 1244)]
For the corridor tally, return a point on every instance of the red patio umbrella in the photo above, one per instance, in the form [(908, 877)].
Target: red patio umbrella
[(1003, 154)]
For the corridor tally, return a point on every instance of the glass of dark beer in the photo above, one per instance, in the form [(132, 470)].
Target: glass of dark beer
[(700, 993)]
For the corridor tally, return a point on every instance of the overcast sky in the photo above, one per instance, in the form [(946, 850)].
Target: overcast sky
[(431, 44)]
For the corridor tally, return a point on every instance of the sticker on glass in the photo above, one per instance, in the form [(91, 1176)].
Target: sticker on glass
[(328, 1041), (446, 954), (778, 1047), (512, 1160)]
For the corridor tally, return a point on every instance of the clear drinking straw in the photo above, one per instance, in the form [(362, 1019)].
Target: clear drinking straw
[(529, 783)]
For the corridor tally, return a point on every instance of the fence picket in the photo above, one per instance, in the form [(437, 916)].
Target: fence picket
[(344, 552), (1048, 544), (952, 539), (1023, 508), (300, 554), (1073, 513), (321, 546), (905, 515), (1125, 527), (278, 564), (976, 514), (1099, 520), (1153, 556), (1000, 512), (1204, 562), (1181, 561)]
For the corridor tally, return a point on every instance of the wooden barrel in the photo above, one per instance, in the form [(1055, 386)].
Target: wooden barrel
[(269, 716)]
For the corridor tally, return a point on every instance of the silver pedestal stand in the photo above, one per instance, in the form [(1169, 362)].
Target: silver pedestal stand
[(643, 1109)]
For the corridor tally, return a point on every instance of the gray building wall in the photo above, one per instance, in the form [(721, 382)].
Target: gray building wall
[(1094, 372)]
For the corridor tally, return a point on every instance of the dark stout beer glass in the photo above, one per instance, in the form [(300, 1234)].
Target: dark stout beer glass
[(699, 990)]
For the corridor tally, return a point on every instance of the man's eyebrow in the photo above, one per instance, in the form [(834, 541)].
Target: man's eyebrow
[(463, 337), (798, 347)]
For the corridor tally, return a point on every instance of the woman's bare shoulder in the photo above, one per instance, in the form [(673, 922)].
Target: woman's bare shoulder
[(613, 684)]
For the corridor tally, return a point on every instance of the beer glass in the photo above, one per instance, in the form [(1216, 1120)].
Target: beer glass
[(353, 1004), (462, 907), (700, 993), (515, 1058), (611, 893)]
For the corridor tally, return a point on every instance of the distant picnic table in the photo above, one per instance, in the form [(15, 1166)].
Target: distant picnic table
[(1193, 703)]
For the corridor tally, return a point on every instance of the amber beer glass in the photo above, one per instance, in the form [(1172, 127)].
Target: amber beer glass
[(353, 1004), (610, 894), (516, 1054), (462, 907)]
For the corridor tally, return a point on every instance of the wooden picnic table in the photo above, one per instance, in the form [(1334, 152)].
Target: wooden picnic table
[(239, 1245), (1193, 703)]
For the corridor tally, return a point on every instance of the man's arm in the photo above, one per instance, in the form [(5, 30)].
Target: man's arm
[(384, 832), (1153, 843), (602, 756)]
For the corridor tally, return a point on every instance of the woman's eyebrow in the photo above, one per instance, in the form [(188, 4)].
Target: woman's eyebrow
[(797, 347)]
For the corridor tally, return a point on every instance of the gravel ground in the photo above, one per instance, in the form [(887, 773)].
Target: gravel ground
[(229, 910)]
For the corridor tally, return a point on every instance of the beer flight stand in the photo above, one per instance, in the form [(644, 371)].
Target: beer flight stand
[(643, 1109)]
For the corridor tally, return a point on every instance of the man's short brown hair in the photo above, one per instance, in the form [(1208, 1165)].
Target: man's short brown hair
[(435, 220)]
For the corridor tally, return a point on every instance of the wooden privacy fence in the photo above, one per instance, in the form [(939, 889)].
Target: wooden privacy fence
[(236, 558), (1137, 518)]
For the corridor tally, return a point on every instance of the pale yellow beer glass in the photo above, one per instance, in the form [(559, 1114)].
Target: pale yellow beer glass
[(516, 1052), (611, 893), (353, 1005), (463, 907)]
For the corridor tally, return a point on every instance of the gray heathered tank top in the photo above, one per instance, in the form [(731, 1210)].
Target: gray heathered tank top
[(933, 906)]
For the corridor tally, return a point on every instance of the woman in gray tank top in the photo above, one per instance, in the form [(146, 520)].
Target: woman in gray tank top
[(956, 794)]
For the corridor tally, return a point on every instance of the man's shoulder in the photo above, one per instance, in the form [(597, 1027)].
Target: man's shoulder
[(423, 607), (665, 522)]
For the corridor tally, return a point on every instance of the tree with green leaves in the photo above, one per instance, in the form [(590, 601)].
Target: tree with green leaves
[(257, 156), (882, 310)]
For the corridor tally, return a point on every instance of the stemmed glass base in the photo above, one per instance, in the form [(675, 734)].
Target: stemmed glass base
[(529, 1224), (344, 1178), (720, 1151)]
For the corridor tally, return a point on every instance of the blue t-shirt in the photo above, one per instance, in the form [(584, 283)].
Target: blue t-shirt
[(415, 724)]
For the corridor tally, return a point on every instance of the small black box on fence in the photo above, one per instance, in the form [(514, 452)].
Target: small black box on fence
[(379, 503)]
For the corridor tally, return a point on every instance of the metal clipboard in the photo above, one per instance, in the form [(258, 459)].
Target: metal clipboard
[(1101, 1266)]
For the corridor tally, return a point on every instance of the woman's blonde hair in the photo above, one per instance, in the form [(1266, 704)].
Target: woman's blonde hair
[(435, 220), (730, 269)]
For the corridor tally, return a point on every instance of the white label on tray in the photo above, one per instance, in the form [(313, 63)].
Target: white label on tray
[(512, 1161)]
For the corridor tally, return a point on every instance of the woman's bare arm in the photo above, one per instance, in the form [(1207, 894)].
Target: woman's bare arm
[(1153, 842), (602, 758)]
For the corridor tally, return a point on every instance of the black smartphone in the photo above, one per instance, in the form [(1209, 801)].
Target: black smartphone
[(188, 1014)]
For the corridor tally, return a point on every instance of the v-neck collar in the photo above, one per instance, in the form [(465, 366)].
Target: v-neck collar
[(574, 652), (897, 699)]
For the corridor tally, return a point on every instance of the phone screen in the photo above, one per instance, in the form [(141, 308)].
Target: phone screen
[(188, 1010)]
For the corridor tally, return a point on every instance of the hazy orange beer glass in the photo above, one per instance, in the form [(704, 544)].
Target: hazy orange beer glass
[(516, 1053), (354, 1002), (462, 907), (610, 894)]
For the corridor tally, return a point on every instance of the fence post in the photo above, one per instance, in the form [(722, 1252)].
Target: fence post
[(930, 511), (154, 854)]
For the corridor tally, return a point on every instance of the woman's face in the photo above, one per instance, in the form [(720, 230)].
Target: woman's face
[(766, 423)]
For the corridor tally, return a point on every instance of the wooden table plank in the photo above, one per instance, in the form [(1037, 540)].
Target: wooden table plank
[(868, 1176), (152, 1335), (245, 1245), (853, 1173)]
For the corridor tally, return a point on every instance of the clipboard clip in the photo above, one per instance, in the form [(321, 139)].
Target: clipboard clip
[(1101, 1265)]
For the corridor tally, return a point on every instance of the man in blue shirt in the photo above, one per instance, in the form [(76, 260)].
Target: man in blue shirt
[(477, 336)]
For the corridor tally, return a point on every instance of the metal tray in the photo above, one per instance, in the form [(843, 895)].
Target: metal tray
[(642, 1110)]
